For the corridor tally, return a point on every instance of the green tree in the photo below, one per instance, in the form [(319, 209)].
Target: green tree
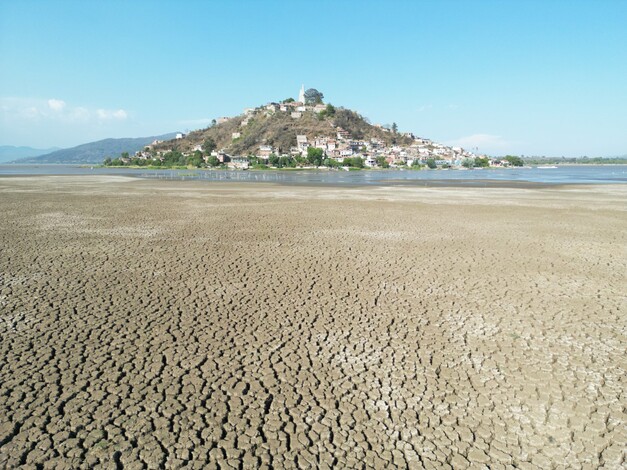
[(288, 100), (213, 161), (273, 160), (468, 163), (482, 162), (313, 96), (431, 163), (394, 128), (315, 156), (357, 162), (286, 162), (208, 146), (195, 159), (107, 161), (382, 162), (330, 109), (514, 160)]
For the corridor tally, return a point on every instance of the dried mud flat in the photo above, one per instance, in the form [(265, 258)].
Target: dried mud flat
[(168, 324)]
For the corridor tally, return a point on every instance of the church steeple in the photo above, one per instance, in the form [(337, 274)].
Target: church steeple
[(301, 95)]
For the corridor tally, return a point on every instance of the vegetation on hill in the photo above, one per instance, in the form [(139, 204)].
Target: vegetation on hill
[(279, 130)]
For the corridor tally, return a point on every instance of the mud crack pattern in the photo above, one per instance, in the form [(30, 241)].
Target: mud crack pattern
[(179, 325)]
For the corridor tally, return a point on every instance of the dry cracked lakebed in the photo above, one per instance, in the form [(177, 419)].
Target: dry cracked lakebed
[(181, 324)]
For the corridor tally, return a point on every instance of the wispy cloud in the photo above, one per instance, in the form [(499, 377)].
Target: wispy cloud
[(56, 105), (54, 109), (106, 114)]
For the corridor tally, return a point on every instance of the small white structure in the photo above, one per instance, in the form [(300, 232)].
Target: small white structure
[(296, 115), (180, 135), (301, 143), (301, 94), (236, 135)]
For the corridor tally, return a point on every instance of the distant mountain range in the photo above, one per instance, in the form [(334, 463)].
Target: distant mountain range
[(9, 152), (93, 152)]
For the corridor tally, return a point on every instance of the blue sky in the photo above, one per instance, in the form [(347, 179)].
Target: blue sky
[(523, 77)]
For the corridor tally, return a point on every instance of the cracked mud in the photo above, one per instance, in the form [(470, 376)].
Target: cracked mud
[(172, 324)]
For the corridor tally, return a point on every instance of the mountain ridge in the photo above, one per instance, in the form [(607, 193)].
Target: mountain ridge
[(12, 152), (95, 152)]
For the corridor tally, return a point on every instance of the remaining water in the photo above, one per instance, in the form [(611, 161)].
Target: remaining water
[(566, 174)]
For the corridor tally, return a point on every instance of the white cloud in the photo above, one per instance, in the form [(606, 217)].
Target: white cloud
[(56, 105), (79, 114), (53, 109), (106, 114)]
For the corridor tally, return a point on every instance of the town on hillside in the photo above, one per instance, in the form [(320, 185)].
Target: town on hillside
[(304, 133)]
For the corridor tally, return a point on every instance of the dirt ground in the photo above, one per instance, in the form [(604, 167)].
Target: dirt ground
[(151, 324)]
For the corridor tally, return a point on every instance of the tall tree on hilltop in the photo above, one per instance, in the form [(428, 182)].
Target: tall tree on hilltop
[(313, 96)]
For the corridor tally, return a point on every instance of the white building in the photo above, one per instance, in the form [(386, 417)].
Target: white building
[(301, 94)]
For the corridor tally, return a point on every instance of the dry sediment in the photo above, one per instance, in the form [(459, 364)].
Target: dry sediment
[(167, 324)]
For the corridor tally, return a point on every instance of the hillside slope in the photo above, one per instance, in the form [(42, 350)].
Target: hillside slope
[(279, 130), (95, 152)]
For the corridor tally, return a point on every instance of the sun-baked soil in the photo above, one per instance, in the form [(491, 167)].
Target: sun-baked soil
[(154, 324)]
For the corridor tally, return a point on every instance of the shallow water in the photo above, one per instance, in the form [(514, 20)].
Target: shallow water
[(567, 174)]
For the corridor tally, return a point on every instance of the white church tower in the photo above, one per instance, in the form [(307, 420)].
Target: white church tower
[(301, 95)]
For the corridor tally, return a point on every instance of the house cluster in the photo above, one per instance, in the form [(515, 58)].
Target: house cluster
[(341, 145)]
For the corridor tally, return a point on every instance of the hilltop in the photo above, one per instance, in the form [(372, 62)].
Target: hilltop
[(301, 133), (268, 126)]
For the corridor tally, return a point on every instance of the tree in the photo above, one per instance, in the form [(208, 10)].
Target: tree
[(213, 122), (482, 162), (288, 100), (357, 162), (514, 160), (314, 156), (394, 128), (195, 159), (468, 163), (273, 160), (213, 161), (431, 163), (330, 109), (313, 96), (107, 161), (382, 162), (208, 146)]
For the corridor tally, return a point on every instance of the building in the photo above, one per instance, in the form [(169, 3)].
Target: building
[(301, 94), (301, 143)]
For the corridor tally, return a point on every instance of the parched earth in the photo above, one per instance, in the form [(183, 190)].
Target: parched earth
[(178, 324)]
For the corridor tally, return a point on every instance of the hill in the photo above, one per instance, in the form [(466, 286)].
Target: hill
[(9, 152), (95, 152), (279, 129)]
